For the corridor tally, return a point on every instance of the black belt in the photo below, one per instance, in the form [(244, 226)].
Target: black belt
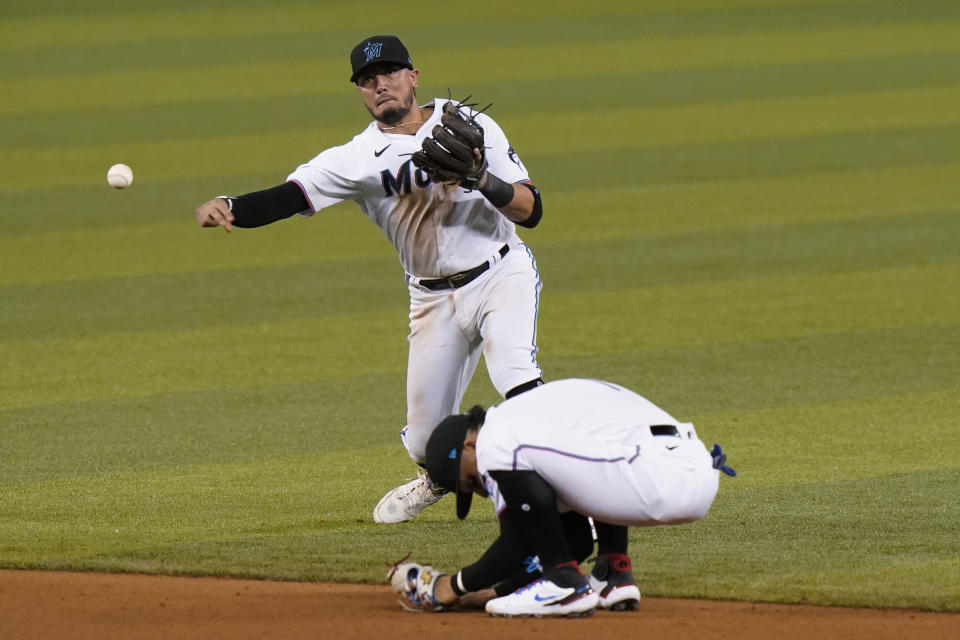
[(664, 430), (458, 280)]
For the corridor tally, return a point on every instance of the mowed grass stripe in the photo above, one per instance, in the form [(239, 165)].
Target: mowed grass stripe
[(860, 585), (118, 366), (136, 510), (183, 247), (635, 129), (191, 429), (284, 19), (191, 300), (740, 394), (93, 90), (151, 362), (730, 255), (746, 121), (767, 158), (614, 212), (705, 313), (800, 199), (329, 286), (556, 19), (343, 111), (760, 374), (866, 521), (76, 255), (173, 45), (881, 542), (169, 40), (125, 519), (763, 439), (642, 127), (292, 517), (254, 419), (94, 205), (808, 434)]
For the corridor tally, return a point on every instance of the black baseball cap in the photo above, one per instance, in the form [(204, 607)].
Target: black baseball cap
[(442, 460), (377, 50)]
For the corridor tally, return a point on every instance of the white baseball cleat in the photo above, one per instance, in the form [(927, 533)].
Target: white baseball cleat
[(544, 598), (616, 587), (407, 500)]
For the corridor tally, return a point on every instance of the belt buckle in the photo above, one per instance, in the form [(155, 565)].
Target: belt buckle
[(455, 281)]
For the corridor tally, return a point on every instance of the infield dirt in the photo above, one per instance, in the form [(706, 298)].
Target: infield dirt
[(38, 604)]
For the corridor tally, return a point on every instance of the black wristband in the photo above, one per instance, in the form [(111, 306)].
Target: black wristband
[(498, 192)]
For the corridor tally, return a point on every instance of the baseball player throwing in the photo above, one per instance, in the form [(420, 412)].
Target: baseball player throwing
[(444, 185), (548, 460)]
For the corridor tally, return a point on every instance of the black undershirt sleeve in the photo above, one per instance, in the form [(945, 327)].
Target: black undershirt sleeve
[(269, 205), (534, 218), (504, 558), (530, 525), (576, 528), (532, 504), (508, 563)]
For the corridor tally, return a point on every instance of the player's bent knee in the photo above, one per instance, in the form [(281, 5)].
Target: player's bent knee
[(415, 442)]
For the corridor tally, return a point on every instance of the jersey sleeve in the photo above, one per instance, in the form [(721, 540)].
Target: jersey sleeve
[(496, 443), (323, 180), (502, 159)]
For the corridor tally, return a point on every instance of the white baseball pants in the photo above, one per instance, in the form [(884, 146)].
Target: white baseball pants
[(496, 315)]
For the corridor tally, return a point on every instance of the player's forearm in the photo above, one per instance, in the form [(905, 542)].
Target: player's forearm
[(443, 591), (260, 208), (447, 594), (502, 559), (521, 206), (519, 203)]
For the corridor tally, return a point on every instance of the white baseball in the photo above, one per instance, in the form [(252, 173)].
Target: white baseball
[(120, 176)]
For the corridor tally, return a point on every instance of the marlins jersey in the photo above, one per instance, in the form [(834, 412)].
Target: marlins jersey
[(438, 229), (607, 452)]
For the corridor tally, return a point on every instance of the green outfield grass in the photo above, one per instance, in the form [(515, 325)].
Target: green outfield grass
[(752, 217)]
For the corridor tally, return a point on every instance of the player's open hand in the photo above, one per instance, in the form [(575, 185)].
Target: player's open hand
[(215, 213)]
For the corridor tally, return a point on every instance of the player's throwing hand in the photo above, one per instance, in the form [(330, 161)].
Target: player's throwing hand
[(215, 213)]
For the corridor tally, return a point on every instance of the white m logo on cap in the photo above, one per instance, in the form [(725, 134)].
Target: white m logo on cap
[(372, 50)]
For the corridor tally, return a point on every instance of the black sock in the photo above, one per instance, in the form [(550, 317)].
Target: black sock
[(611, 538)]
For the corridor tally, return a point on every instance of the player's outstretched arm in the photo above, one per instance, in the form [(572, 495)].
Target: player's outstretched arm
[(254, 209)]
